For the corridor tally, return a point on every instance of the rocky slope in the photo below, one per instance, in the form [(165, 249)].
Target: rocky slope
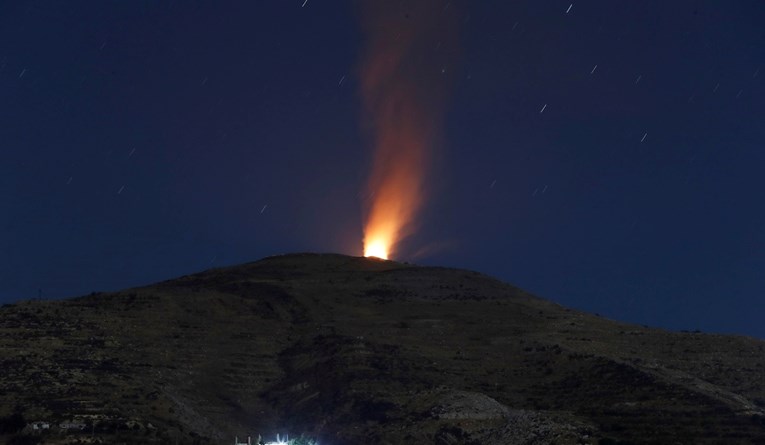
[(362, 351)]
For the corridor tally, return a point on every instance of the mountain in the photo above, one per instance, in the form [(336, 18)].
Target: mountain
[(352, 350)]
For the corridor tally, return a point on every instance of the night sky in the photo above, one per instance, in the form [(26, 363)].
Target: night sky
[(607, 155)]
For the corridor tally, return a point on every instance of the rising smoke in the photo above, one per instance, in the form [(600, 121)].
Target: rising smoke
[(407, 70)]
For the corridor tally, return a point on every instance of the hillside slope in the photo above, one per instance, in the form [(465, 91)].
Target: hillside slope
[(362, 351)]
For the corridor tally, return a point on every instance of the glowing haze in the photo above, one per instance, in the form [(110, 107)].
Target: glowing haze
[(406, 72)]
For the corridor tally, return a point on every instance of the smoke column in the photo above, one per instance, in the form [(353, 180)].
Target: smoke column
[(406, 74)]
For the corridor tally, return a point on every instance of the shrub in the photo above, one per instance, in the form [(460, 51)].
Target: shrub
[(12, 424)]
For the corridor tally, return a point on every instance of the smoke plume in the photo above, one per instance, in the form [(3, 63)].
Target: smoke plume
[(406, 73)]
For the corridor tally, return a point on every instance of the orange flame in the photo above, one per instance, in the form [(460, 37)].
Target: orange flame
[(404, 79)]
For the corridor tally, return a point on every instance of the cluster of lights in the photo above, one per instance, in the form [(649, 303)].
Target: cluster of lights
[(279, 441)]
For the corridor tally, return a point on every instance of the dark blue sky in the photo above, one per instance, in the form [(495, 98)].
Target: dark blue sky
[(143, 140)]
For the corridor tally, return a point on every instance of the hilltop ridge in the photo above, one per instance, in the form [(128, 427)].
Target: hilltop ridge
[(357, 350)]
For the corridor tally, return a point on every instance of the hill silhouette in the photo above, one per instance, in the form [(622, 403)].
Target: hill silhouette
[(353, 350)]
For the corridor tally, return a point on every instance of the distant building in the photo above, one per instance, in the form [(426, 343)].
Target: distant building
[(71, 426), (39, 426)]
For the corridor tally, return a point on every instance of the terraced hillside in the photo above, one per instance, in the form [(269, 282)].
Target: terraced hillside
[(362, 351)]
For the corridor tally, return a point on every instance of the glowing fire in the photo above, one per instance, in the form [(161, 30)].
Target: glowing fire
[(377, 248), (404, 80), (397, 188)]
